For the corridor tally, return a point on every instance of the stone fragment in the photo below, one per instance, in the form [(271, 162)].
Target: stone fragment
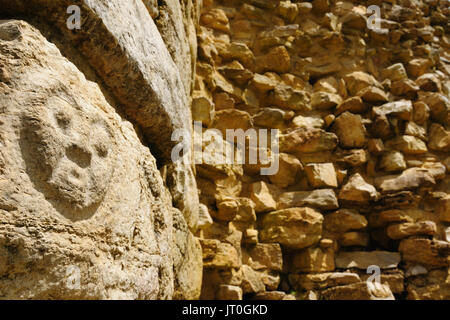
[(313, 260), (324, 100), (228, 292), (375, 146), (264, 256), (350, 130), (202, 109), (236, 51), (357, 190), (358, 80), (359, 291), (439, 107), (409, 179), (362, 259), (443, 208), (402, 109), (407, 144), (395, 72), (270, 295), (288, 11), (307, 140), (353, 105), (429, 82), (232, 119), (251, 281), (433, 286), (277, 59), (286, 175), (289, 98), (393, 161), (308, 122), (263, 196), (323, 199), (344, 220), (407, 229), (318, 281), (321, 175), (216, 19), (421, 112), (433, 253), (218, 254), (270, 118), (295, 228), (439, 138), (406, 88), (373, 95)]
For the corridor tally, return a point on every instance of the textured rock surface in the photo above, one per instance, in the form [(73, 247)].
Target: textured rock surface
[(79, 190), (363, 120), (120, 41)]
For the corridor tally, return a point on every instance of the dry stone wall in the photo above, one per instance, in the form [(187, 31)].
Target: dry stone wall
[(364, 121)]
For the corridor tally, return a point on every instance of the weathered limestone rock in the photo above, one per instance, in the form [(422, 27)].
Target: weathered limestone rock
[(176, 22), (350, 130), (308, 122), (409, 179), (357, 190), (264, 256), (395, 72), (313, 260), (251, 281), (307, 140), (294, 228), (188, 262), (262, 195), (323, 199), (439, 138), (434, 286), (393, 161), (216, 19), (362, 259), (228, 292), (219, 255), (289, 98), (407, 229), (289, 166), (402, 109), (407, 144), (358, 80), (444, 209), (344, 220), (319, 281), (325, 100), (321, 175), (433, 253), (359, 291), (277, 59), (353, 105), (78, 178)]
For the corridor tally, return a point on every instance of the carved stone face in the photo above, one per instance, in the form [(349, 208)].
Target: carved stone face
[(68, 152)]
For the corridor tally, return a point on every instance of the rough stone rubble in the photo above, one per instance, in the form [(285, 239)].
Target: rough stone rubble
[(365, 141)]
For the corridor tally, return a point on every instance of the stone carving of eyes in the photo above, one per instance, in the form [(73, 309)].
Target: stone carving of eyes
[(63, 120)]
